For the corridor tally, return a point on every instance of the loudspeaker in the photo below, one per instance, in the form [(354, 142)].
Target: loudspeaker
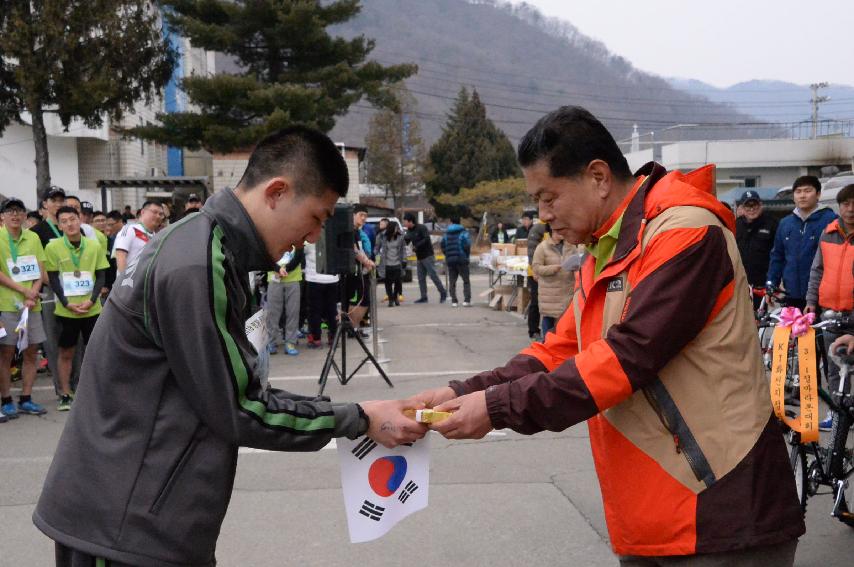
[(335, 253)]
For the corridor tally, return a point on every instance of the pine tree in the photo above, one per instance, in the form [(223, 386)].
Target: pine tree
[(292, 71), (396, 155), (84, 59), (471, 149)]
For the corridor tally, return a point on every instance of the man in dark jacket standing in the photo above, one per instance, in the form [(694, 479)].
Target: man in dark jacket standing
[(144, 470), (797, 240), (419, 237), (456, 246), (535, 235), (754, 233)]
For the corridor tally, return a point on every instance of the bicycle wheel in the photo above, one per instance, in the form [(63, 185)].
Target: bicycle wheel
[(842, 465), (798, 458)]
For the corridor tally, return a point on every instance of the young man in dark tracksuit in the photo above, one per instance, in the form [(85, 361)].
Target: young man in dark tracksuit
[(456, 246), (754, 234), (797, 240), (419, 237), (144, 470)]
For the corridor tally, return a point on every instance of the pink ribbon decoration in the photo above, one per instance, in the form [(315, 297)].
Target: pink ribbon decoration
[(799, 322)]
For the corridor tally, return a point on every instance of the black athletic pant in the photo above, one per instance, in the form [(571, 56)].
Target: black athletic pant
[(322, 299), (393, 282), (459, 270), (533, 309)]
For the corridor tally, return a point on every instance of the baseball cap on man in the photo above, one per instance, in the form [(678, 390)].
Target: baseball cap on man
[(193, 198), (54, 191), (12, 203), (87, 207), (749, 196)]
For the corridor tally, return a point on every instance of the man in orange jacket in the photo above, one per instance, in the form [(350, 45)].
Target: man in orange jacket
[(657, 352), (831, 284)]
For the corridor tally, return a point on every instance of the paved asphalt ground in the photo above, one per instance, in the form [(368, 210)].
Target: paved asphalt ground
[(505, 500)]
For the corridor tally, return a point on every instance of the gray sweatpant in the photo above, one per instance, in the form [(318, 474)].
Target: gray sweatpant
[(283, 295)]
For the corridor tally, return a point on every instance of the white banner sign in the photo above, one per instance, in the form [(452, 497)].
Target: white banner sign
[(382, 486)]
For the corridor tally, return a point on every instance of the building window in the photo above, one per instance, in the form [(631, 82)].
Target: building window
[(748, 181)]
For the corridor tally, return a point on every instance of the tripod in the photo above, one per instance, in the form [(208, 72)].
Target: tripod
[(345, 327)]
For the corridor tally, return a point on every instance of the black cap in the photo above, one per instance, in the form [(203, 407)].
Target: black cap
[(87, 207), (749, 196), (12, 202), (54, 191), (193, 198)]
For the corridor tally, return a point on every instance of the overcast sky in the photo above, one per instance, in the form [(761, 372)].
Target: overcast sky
[(722, 42)]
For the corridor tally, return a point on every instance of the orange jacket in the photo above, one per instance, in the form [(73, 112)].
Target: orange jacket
[(666, 307), (832, 275)]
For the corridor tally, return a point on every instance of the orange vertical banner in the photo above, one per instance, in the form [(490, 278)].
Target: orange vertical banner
[(807, 422)]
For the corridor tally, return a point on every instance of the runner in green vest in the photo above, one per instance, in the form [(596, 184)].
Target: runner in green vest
[(76, 266), (21, 269)]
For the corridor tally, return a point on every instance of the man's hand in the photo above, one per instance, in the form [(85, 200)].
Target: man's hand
[(389, 427), (29, 303), (436, 396), (810, 309), (283, 273), (846, 341), (30, 293), (470, 420)]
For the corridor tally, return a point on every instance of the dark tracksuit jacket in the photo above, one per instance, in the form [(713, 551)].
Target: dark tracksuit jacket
[(419, 237), (755, 240), (144, 470)]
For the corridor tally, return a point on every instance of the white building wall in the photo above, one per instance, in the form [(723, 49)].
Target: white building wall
[(228, 169), (18, 168), (639, 159), (732, 154)]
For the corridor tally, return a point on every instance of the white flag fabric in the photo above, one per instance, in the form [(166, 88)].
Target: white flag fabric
[(382, 486), (21, 329)]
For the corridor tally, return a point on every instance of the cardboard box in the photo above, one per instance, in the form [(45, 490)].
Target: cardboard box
[(501, 297), (523, 298), (505, 249), (521, 247)]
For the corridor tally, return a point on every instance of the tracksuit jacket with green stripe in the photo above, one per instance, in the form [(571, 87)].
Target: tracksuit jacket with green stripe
[(144, 469)]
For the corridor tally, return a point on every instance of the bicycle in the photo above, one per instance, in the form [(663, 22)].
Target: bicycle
[(831, 465)]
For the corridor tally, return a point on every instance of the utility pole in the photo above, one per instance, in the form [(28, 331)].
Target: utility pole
[(816, 100)]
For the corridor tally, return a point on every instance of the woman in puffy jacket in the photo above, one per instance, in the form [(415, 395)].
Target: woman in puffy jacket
[(555, 283), (391, 248)]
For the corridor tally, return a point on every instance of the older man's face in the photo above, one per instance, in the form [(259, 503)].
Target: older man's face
[(569, 205)]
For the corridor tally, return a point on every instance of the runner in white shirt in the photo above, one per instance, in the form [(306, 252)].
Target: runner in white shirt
[(133, 237)]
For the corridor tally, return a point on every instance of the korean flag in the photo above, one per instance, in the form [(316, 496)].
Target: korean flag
[(382, 486)]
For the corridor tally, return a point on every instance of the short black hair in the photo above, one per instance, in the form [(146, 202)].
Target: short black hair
[(308, 155), (67, 209), (807, 180), (34, 215), (150, 202), (67, 197), (569, 138), (455, 220), (99, 214), (845, 193), (359, 208), (116, 216), (528, 215), (409, 217)]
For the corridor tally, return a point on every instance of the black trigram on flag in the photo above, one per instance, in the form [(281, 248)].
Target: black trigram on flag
[(364, 447), (407, 491), (372, 511)]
